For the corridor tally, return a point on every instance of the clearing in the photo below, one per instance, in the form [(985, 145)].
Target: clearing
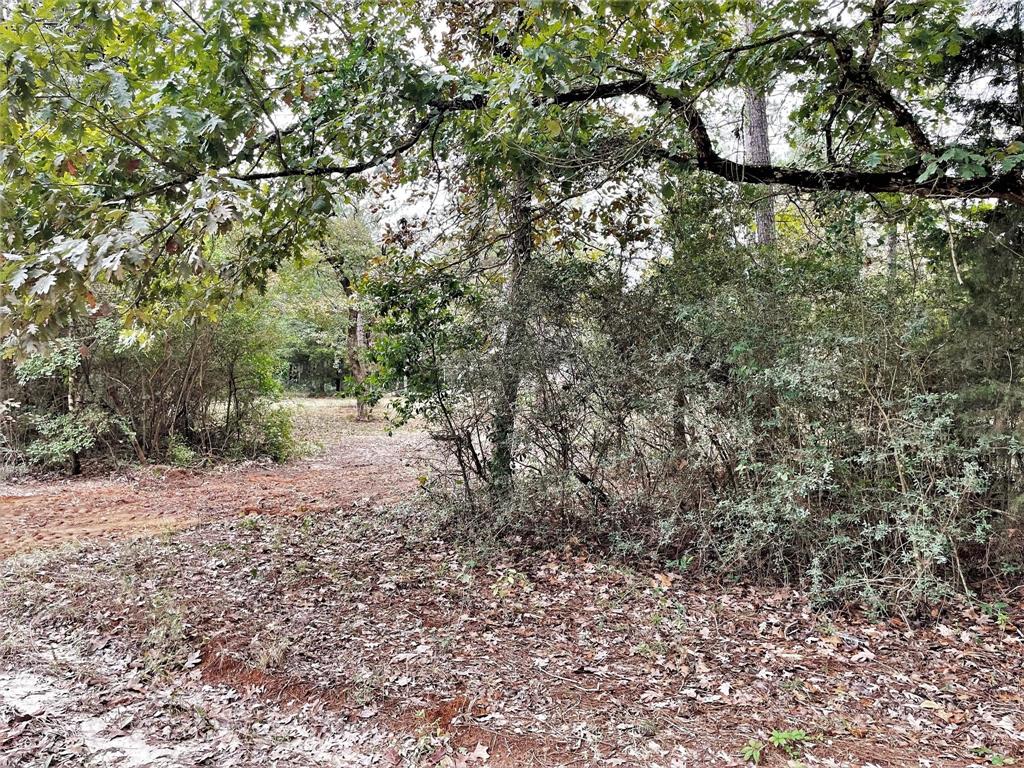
[(308, 615)]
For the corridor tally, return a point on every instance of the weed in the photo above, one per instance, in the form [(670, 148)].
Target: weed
[(752, 751), (509, 582), (794, 685), (366, 688), (165, 645), (652, 650), (681, 563), (790, 742), (647, 727), (991, 757), (250, 523), (998, 612)]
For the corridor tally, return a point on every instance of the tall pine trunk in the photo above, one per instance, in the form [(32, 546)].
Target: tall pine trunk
[(757, 151)]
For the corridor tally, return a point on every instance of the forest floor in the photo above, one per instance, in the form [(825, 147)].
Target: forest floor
[(311, 615)]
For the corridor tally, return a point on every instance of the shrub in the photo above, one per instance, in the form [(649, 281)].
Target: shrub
[(62, 437), (272, 433), (179, 453), (187, 388), (793, 417)]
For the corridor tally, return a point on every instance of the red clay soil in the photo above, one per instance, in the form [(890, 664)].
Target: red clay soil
[(361, 469)]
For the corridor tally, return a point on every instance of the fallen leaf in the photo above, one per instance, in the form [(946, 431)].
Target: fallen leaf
[(479, 754)]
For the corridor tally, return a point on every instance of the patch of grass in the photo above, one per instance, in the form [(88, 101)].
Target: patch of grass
[(165, 646), (251, 523)]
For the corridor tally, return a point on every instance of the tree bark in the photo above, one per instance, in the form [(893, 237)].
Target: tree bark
[(520, 250), (72, 403), (356, 344), (892, 242), (757, 151), (1018, 60), (680, 429)]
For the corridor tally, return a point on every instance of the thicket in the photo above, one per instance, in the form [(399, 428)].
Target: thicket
[(841, 410), (194, 388), (198, 374)]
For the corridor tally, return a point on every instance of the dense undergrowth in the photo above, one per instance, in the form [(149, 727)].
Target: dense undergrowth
[(195, 389), (802, 414), (186, 380)]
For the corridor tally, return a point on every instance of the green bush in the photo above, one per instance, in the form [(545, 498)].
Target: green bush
[(179, 453), (59, 438), (274, 434), (189, 387)]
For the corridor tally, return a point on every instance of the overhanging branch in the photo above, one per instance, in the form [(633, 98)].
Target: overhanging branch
[(1006, 187), (897, 182)]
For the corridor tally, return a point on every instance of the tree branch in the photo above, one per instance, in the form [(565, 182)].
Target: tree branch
[(1007, 187), (903, 181)]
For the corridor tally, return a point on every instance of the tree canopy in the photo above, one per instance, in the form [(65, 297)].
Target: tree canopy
[(135, 131)]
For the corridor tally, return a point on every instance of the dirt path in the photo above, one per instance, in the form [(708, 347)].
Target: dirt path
[(359, 464), (78, 711)]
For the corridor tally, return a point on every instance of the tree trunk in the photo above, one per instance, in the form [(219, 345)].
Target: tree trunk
[(362, 344), (891, 249), (356, 343), (520, 249), (72, 402), (757, 151), (680, 432), (1018, 60)]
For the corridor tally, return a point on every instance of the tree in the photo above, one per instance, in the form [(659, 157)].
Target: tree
[(349, 249), (136, 130), (757, 149), (520, 252)]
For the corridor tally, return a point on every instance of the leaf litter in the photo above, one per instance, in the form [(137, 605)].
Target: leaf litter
[(355, 636)]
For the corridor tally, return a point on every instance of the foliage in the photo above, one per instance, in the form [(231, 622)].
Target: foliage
[(311, 303), (60, 437), (135, 131), (179, 453), (789, 742), (188, 390), (326, 314), (273, 435), (752, 751), (572, 299), (797, 415)]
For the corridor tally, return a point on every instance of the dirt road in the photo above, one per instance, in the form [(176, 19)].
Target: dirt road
[(358, 464)]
